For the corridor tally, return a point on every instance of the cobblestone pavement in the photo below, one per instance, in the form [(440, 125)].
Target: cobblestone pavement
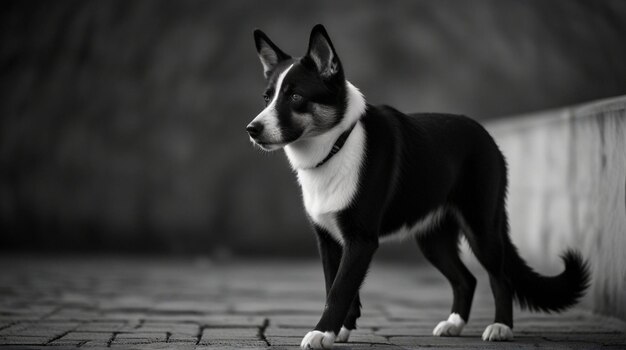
[(163, 304)]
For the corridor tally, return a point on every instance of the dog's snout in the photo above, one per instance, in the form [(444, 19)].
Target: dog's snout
[(254, 129)]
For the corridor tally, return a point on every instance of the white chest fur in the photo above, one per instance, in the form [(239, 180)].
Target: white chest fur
[(332, 187)]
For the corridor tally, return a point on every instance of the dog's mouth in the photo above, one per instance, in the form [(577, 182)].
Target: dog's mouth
[(267, 146), (273, 145)]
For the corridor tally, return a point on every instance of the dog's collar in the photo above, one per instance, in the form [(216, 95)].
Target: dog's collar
[(341, 140)]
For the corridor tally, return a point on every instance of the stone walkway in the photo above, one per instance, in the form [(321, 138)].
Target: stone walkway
[(174, 304)]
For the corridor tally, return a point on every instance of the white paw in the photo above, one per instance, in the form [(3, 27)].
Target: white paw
[(452, 327), (497, 332), (318, 340), (343, 335)]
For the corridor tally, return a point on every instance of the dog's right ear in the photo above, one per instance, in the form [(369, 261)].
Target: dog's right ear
[(269, 54)]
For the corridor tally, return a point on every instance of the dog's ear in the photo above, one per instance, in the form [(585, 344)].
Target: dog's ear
[(269, 54), (323, 54)]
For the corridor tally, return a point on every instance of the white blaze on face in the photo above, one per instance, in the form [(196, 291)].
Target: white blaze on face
[(269, 116)]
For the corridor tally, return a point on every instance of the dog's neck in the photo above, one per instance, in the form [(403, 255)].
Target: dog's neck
[(307, 153)]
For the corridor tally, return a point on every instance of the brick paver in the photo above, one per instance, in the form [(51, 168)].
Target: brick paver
[(182, 304)]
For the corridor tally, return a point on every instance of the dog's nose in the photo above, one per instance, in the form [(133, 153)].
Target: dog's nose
[(254, 129)]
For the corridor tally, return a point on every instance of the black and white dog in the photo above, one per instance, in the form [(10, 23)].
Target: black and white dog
[(371, 174)]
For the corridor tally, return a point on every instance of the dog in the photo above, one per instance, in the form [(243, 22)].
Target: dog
[(371, 174)]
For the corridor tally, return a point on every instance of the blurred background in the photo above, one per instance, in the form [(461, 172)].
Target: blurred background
[(122, 122)]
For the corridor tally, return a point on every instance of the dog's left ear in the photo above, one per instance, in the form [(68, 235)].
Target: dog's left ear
[(269, 54), (323, 54)]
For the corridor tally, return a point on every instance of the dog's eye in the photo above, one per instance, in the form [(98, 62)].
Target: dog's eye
[(266, 98), (296, 98)]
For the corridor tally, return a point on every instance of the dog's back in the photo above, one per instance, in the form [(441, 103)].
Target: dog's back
[(427, 164)]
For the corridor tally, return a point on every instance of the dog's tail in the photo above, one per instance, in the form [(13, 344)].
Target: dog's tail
[(542, 293)]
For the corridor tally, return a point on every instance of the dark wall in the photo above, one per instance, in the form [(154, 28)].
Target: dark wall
[(122, 122)]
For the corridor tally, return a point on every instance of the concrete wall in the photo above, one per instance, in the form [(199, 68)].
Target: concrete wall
[(567, 189)]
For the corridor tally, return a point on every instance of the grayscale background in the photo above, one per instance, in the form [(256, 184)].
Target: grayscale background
[(122, 123)]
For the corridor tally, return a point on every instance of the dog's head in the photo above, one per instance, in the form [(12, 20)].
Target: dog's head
[(304, 97)]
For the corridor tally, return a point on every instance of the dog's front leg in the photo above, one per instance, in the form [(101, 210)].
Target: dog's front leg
[(330, 252), (356, 258)]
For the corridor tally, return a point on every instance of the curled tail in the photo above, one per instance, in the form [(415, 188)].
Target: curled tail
[(542, 293)]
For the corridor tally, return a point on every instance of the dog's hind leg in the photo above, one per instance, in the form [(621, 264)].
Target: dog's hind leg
[(441, 248), (486, 241)]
